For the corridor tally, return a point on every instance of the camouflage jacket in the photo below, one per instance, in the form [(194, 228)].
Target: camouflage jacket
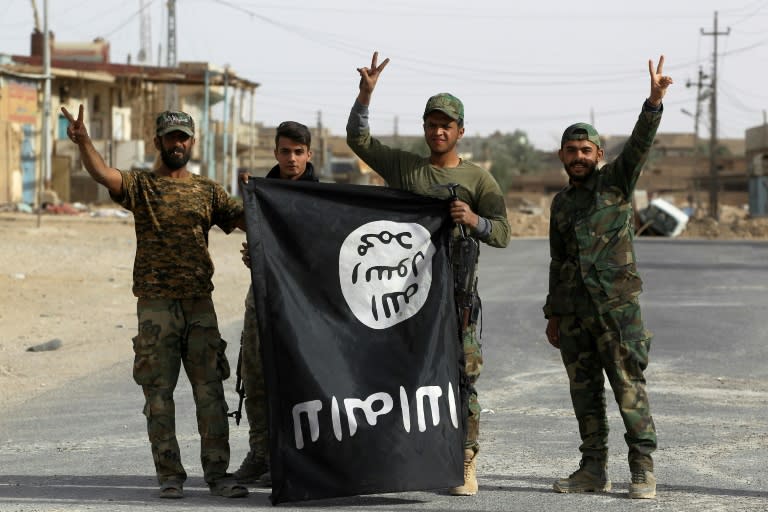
[(591, 231), (172, 218)]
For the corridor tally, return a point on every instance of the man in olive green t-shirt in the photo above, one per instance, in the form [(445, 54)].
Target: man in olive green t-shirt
[(479, 208)]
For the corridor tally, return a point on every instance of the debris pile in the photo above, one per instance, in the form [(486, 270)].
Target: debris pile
[(735, 223)]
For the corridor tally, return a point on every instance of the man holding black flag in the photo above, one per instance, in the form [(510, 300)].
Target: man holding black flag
[(479, 208), (292, 151)]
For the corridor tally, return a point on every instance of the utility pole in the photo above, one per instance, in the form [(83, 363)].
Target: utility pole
[(225, 131), (234, 126), (699, 97), (45, 170), (252, 131), (145, 34), (324, 165), (205, 131), (714, 184), (46, 95), (170, 51), (696, 117), (396, 132), (36, 16)]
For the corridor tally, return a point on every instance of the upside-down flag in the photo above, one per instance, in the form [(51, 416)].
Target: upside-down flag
[(359, 338)]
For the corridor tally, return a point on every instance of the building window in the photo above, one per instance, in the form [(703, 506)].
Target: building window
[(64, 94)]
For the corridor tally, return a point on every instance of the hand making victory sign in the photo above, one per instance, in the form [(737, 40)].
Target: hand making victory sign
[(76, 130), (659, 82), (369, 77), (92, 160)]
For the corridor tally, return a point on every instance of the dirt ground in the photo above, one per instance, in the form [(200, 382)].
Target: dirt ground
[(69, 279)]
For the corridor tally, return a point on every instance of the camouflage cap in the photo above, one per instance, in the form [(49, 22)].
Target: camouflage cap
[(581, 131), (170, 121), (446, 103)]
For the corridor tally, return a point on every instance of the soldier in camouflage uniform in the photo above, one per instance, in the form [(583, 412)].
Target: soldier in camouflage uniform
[(592, 308), (480, 208), (173, 211), (292, 151)]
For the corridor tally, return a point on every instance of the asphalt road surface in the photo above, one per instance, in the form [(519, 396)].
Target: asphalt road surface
[(84, 446)]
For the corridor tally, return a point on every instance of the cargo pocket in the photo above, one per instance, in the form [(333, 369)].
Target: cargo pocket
[(146, 368), (639, 349), (473, 355), (634, 338), (618, 280), (222, 364)]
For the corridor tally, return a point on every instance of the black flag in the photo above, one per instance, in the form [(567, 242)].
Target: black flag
[(359, 338)]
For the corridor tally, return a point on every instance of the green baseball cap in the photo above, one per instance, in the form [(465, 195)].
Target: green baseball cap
[(446, 103), (581, 131), (170, 121)]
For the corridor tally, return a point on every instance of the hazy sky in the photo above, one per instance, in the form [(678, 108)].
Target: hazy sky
[(533, 66)]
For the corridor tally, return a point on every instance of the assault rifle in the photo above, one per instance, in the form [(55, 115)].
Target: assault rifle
[(239, 388), (464, 254)]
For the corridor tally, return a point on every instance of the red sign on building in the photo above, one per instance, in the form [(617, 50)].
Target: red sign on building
[(22, 102)]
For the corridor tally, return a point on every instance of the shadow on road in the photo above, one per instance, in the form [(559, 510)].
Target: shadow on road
[(538, 482), (114, 490)]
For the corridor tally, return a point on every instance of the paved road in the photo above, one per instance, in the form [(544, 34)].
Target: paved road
[(83, 447)]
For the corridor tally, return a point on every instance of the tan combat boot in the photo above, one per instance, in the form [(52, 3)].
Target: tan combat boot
[(470, 475), (643, 485), (590, 477)]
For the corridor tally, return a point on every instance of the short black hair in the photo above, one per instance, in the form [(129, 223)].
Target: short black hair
[(297, 132)]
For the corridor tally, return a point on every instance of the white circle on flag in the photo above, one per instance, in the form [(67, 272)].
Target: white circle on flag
[(385, 271)]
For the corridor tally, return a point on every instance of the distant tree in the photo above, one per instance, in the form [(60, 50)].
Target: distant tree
[(511, 154)]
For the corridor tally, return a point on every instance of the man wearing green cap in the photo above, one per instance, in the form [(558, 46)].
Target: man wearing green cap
[(592, 308), (479, 208), (173, 210)]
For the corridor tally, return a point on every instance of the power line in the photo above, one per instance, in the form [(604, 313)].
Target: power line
[(761, 4), (736, 101), (331, 40)]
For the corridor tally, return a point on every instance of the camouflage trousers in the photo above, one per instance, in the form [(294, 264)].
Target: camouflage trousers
[(253, 383), (473, 365), (172, 333), (616, 343)]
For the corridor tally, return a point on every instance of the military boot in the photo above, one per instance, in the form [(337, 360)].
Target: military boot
[(592, 476), (469, 488), (643, 485), (251, 469), (265, 480)]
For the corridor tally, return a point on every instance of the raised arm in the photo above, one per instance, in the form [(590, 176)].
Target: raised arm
[(369, 77), (625, 170), (92, 160)]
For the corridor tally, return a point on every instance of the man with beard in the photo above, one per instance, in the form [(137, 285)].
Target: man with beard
[(592, 308), (173, 211), (479, 208), (293, 142)]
